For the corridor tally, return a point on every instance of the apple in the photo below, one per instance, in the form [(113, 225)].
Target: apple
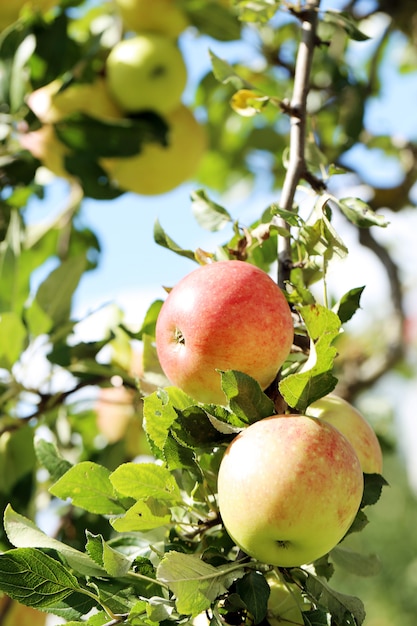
[(146, 72), (10, 11), (285, 603), (13, 613), (157, 169), (221, 316), (355, 428), (51, 105), (289, 488), (159, 16)]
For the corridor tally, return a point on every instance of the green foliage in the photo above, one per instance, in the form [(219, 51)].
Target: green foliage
[(142, 543)]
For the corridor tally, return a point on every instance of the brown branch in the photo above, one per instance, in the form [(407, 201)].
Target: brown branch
[(297, 108)]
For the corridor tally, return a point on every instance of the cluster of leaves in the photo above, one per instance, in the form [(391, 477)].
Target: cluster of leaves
[(143, 543)]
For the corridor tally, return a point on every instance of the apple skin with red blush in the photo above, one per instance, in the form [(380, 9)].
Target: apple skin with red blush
[(227, 315), (289, 488)]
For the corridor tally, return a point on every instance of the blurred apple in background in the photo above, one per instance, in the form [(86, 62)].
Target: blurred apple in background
[(159, 16), (158, 169)]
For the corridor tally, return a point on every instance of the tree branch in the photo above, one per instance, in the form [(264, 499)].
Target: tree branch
[(297, 109)]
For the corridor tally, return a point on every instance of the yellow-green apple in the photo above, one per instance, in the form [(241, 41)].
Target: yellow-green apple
[(224, 315), (51, 104), (157, 169), (15, 614), (353, 425), (159, 16), (289, 488), (285, 603), (10, 11), (146, 72)]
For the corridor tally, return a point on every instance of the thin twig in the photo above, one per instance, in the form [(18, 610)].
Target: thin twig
[(298, 112)]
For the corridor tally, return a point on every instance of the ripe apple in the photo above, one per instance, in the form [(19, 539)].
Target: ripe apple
[(146, 72), (284, 604), (158, 169), (289, 488), (225, 315), (51, 105), (355, 428), (159, 16)]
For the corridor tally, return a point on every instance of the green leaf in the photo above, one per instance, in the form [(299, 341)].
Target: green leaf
[(246, 398), (12, 338), (339, 605), (149, 322), (54, 295), (89, 487), (356, 563), (23, 533), (144, 480), (315, 379), (35, 579), (254, 591), (162, 239), (214, 20), (17, 457), (373, 485), (208, 214), (260, 11), (360, 213), (348, 304), (111, 138), (196, 584), (225, 73), (144, 515), (49, 457), (344, 20), (115, 563), (159, 411)]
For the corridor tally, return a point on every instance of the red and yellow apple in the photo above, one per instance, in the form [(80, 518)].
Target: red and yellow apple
[(146, 72), (159, 16), (289, 488), (157, 169), (355, 428), (222, 316)]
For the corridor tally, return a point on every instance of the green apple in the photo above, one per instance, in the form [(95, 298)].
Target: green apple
[(224, 315), (157, 169), (146, 72), (10, 10), (285, 603), (355, 428), (289, 488), (159, 16)]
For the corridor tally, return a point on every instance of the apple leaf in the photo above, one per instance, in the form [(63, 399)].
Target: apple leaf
[(149, 322), (348, 304), (208, 214), (89, 487), (159, 412), (49, 457), (254, 591), (114, 563), (344, 20), (224, 73), (360, 213), (194, 428), (246, 398), (373, 484), (12, 338), (164, 240), (356, 563), (35, 579), (23, 533), (144, 480), (341, 606), (315, 379), (316, 617), (196, 584), (144, 515)]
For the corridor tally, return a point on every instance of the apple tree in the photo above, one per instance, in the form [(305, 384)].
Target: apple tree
[(94, 436)]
